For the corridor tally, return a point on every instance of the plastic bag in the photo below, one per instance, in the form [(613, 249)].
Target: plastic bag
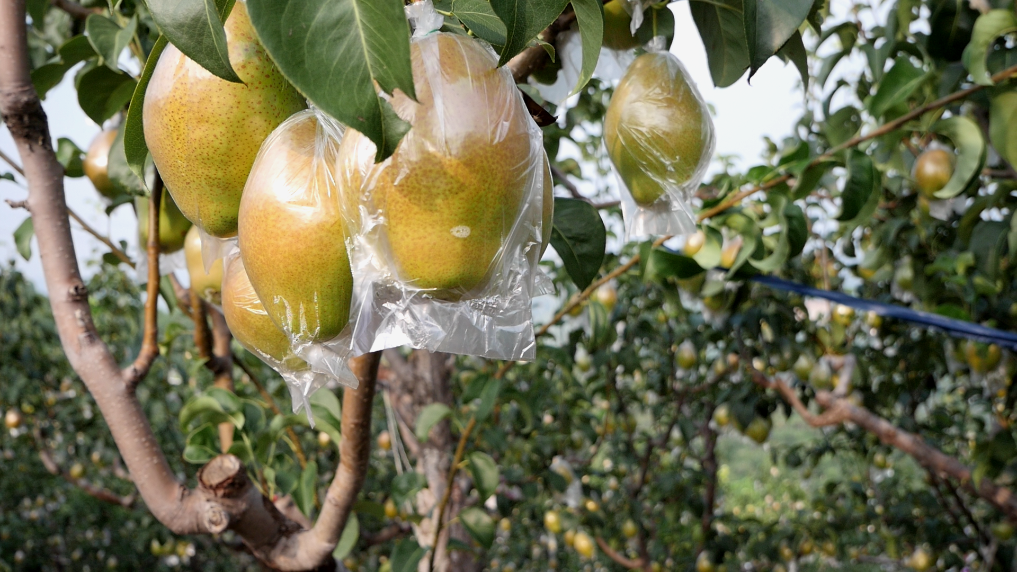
[(660, 138), (250, 325), (449, 227), (292, 238)]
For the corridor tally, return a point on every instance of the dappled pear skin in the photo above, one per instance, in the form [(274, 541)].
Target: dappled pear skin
[(454, 187), (656, 128), (204, 132), (208, 285), (292, 235), (173, 225), (249, 322), (96, 163)]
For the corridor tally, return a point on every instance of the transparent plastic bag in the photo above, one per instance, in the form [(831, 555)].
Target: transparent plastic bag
[(660, 137), (449, 227), (251, 326), (292, 239)]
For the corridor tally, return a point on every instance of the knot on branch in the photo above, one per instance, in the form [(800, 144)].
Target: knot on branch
[(224, 477), (78, 292), (25, 118), (216, 519)]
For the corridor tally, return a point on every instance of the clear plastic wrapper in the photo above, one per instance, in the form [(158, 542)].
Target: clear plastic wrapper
[(449, 227), (660, 138), (251, 326), (292, 238)]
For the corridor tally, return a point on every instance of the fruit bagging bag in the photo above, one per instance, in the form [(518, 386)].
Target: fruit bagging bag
[(292, 239), (660, 138), (449, 228)]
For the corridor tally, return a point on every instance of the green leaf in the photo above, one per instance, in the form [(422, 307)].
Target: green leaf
[(970, 146), (135, 147), (722, 29), (108, 38), (810, 178), (769, 24), (1003, 125), (524, 19), (198, 406), (334, 51), (429, 417), (780, 252), (102, 92), (590, 18), (793, 51), (485, 473), (898, 84), (662, 264), (797, 229), (950, 26), (406, 555), (307, 490), (988, 28), (195, 28), (37, 11), (229, 400), (860, 185), (579, 238), (842, 125), (198, 454), (72, 52), (480, 18), (479, 525), (406, 485), (350, 535), (327, 399), (488, 397), (69, 155), (120, 173), (709, 255), (23, 238)]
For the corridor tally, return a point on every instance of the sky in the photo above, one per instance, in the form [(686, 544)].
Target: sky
[(744, 115)]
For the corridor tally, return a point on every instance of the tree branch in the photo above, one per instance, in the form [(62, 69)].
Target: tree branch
[(456, 460), (535, 57), (92, 490), (120, 254), (618, 558), (76, 10), (150, 335)]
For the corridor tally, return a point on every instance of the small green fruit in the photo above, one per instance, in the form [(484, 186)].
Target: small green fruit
[(173, 226), (933, 170), (618, 27), (758, 430), (687, 355)]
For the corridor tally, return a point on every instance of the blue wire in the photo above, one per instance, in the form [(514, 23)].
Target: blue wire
[(949, 325)]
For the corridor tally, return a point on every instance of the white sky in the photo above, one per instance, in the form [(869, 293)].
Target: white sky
[(744, 115)]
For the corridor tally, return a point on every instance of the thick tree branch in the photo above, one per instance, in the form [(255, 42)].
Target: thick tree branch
[(150, 335)]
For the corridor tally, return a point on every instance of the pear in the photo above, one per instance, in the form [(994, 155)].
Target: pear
[(618, 27), (657, 130), (204, 132), (453, 189), (292, 233), (96, 163), (933, 171), (173, 226), (208, 285), (249, 322)]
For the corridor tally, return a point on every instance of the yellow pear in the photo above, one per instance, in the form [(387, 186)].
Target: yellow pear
[(454, 187), (208, 285), (249, 322), (292, 235), (173, 226), (204, 132), (618, 27), (658, 132), (96, 163), (933, 170)]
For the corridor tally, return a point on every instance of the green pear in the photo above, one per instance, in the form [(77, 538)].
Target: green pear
[(173, 226), (933, 171), (204, 132), (292, 233), (658, 132), (96, 163), (208, 285), (618, 27), (453, 189), (249, 322)]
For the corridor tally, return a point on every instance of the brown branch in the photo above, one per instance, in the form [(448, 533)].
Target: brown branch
[(76, 10), (460, 450), (14, 164), (535, 57), (221, 366), (120, 254), (563, 180), (391, 532), (618, 558), (709, 464), (150, 336)]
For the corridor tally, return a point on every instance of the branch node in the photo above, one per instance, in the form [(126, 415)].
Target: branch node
[(216, 519), (17, 204), (77, 292)]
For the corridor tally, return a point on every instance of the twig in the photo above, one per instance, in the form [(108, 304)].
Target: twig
[(460, 450), (75, 10), (391, 532), (92, 490), (563, 180), (150, 336), (709, 464), (618, 558), (14, 165), (103, 239)]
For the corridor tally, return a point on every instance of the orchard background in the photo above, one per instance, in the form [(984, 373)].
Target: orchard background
[(679, 415)]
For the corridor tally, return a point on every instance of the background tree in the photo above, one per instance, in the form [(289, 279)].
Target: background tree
[(620, 446)]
